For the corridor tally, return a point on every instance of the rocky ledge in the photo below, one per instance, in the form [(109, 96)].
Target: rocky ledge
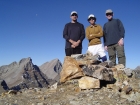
[(84, 80)]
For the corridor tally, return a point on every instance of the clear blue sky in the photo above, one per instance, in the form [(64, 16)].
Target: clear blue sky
[(33, 28)]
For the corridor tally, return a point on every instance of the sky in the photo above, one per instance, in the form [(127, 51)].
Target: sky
[(34, 28)]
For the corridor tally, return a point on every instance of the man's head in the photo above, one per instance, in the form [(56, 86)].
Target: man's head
[(91, 19), (109, 14), (74, 15)]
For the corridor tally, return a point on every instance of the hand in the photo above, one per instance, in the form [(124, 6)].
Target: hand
[(72, 46), (93, 34), (121, 43), (75, 43), (106, 48)]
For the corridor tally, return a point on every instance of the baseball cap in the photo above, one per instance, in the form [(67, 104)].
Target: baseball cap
[(91, 15), (74, 12), (109, 11)]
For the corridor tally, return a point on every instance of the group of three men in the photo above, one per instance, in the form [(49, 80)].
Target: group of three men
[(112, 33)]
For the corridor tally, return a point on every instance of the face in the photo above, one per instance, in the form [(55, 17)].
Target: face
[(109, 16), (74, 16), (92, 21)]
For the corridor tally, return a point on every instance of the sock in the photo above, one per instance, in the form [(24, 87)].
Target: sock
[(104, 58)]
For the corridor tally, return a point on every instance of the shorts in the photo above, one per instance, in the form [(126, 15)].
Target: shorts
[(97, 49), (70, 51)]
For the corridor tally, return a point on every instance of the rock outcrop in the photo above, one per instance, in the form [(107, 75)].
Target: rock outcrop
[(136, 72), (3, 86), (137, 68), (24, 74), (83, 89), (80, 65), (70, 69), (99, 72)]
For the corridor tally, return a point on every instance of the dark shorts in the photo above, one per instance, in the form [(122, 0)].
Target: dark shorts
[(70, 51)]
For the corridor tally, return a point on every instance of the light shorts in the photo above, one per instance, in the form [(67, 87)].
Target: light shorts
[(97, 49)]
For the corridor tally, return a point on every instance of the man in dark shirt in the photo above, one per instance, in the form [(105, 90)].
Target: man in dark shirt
[(74, 34), (114, 38)]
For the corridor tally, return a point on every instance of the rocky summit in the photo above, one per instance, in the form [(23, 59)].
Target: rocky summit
[(83, 80)]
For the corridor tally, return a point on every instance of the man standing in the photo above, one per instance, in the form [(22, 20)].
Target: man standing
[(74, 34), (94, 33), (114, 38)]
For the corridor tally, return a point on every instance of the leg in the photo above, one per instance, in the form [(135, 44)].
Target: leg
[(77, 50), (104, 58), (68, 51), (121, 54), (93, 49), (112, 54), (101, 52)]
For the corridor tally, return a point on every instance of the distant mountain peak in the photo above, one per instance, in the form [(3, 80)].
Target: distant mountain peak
[(25, 74), (25, 60), (51, 69)]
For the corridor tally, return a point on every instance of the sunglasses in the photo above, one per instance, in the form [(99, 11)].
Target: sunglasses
[(91, 18), (109, 14), (74, 14)]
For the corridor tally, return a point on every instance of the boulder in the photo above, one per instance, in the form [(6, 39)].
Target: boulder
[(119, 67), (107, 64), (86, 59), (128, 71), (136, 72), (70, 69), (99, 72), (88, 83)]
